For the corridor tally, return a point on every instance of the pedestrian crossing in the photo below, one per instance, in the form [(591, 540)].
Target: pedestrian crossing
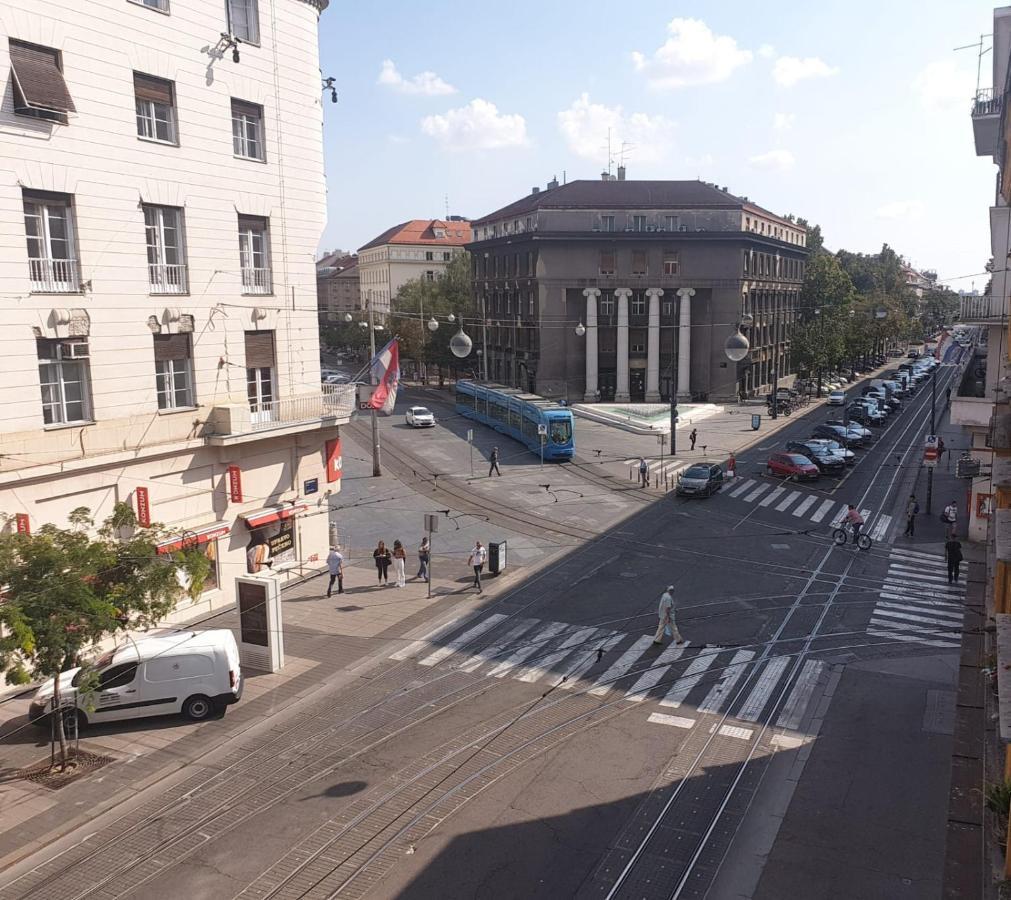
[(658, 468), (615, 665), (804, 505), (916, 605)]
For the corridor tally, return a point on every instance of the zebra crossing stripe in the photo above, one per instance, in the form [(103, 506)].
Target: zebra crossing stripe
[(568, 676), (625, 662), (783, 504), (956, 616), (637, 693), (771, 498), (575, 639), (916, 600), (880, 527), (912, 639), (461, 641), (939, 589), (742, 487), (426, 641), (917, 555), (691, 677), (676, 721), (493, 651), (761, 489), (796, 702), (937, 631), (757, 699), (819, 514), (923, 573), (728, 678), (805, 506), (507, 665)]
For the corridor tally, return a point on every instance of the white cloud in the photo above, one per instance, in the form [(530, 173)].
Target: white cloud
[(584, 126), (705, 161), (779, 160), (788, 70), (692, 54), (899, 209), (476, 126), (783, 121), (766, 51), (425, 84), (942, 85)]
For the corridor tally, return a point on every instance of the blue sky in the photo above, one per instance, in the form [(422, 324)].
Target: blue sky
[(854, 115)]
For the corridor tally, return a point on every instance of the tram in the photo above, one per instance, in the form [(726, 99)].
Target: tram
[(518, 415)]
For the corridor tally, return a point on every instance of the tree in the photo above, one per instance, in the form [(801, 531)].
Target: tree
[(815, 244), (66, 589)]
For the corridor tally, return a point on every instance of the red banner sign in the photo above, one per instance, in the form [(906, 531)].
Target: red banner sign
[(143, 507), (334, 461), (24, 526), (235, 484)]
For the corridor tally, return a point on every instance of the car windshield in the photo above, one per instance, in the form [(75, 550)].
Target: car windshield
[(421, 411), (560, 430), (833, 445), (799, 460), (698, 472)]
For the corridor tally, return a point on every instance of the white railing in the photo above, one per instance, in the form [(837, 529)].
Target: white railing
[(256, 281), (54, 276), (332, 401), (985, 308), (166, 278)]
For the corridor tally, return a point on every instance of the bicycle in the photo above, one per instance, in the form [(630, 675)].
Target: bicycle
[(841, 536)]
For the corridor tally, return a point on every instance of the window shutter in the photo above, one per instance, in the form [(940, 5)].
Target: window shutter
[(259, 349), (242, 108), (38, 76), (170, 347), (145, 87)]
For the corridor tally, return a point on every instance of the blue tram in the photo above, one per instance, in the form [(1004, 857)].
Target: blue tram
[(518, 414)]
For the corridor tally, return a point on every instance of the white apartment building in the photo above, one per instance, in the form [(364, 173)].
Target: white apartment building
[(420, 248), (162, 194)]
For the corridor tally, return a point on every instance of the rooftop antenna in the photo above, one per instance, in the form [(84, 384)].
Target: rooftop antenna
[(979, 59), (626, 150), (610, 160), (447, 207)]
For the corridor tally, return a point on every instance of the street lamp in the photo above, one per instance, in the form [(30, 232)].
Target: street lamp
[(348, 317), (460, 344), (580, 329), (433, 325)]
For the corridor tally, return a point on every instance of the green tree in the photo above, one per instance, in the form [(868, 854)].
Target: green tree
[(815, 243), (66, 589)]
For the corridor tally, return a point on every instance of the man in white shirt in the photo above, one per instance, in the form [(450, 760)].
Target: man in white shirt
[(478, 557), (335, 564), (667, 619)]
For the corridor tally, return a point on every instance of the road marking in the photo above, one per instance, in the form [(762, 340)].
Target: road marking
[(929, 620), (800, 695), (760, 694), (742, 487), (793, 495), (916, 554), (805, 506), (573, 672), (787, 741), (880, 527), (625, 662), (735, 731), (771, 498), (911, 639), (761, 489), (461, 641), (642, 687), (691, 677), (956, 616), (820, 512), (494, 650), (921, 572), (507, 665), (942, 590), (938, 631), (728, 678), (676, 721), (896, 594), (535, 673), (426, 641)]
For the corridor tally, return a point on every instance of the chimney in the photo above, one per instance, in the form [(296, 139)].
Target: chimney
[(621, 173), (553, 183), (604, 176), (535, 190)]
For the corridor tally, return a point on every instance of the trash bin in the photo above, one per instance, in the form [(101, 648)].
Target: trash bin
[(496, 557)]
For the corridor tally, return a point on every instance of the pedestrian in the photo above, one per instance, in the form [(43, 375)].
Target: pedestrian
[(912, 508), (424, 556), (693, 437), (382, 557), (399, 562), (940, 447), (667, 624), (947, 395), (950, 515), (643, 472), (335, 565), (953, 556), (855, 520), (477, 559), (493, 459)]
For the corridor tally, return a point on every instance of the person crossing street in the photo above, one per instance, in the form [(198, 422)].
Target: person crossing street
[(335, 566), (477, 559), (493, 459), (643, 472), (693, 437), (855, 521), (912, 508), (667, 623)]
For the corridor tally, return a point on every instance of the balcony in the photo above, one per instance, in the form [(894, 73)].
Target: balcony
[(256, 281), (54, 276), (985, 310), (986, 109), (166, 278), (234, 423)]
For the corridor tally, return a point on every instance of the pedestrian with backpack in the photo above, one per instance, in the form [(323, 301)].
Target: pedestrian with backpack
[(912, 510), (643, 472)]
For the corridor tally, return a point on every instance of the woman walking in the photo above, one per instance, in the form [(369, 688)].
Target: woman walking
[(399, 561), (382, 557)]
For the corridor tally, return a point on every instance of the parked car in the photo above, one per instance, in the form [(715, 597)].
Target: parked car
[(837, 398), (847, 455), (828, 463), (700, 480), (894, 353), (420, 417), (913, 354), (792, 465), (837, 433), (863, 412), (862, 433)]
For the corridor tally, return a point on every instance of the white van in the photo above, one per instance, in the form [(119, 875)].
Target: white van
[(193, 672)]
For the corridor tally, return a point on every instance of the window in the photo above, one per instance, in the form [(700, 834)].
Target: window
[(607, 223), (166, 260), (247, 130), (638, 223), (446, 255), (155, 102), (244, 21), (671, 262), (429, 275), (638, 306), (530, 222), (49, 231), (636, 347), (153, 4), (667, 308), (64, 378), (173, 366), (117, 676), (429, 255), (260, 375), (670, 223), (606, 305), (38, 86), (639, 264), (254, 255), (531, 303), (530, 263), (607, 262)]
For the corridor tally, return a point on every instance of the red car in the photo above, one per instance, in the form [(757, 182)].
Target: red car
[(792, 465)]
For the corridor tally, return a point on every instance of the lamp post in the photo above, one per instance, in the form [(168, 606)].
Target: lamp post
[(377, 468)]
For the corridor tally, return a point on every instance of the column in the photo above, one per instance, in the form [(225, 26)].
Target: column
[(591, 295), (653, 346), (684, 393), (621, 388)]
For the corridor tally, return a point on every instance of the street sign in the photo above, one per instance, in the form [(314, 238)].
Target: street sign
[(542, 429), (930, 451), (967, 467), (431, 523), (470, 434)]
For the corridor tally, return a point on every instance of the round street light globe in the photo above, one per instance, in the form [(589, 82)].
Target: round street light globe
[(450, 318), (433, 325), (460, 344), (736, 347), (348, 317), (580, 329)]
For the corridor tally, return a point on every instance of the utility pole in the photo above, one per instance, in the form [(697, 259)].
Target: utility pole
[(933, 424), (377, 468)]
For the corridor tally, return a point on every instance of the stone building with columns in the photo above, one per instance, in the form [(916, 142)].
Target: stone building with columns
[(658, 273)]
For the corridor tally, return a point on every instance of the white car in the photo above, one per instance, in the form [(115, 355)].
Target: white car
[(420, 417), (837, 398)]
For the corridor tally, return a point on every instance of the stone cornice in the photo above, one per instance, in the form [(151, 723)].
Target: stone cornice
[(319, 5)]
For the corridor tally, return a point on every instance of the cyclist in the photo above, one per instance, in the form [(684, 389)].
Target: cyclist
[(855, 521)]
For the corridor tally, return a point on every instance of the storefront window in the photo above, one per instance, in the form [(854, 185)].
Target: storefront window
[(212, 582), (273, 543)]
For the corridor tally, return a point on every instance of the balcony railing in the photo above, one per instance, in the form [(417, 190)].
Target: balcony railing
[(54, 276), (256, 281), (982, 309), (332, 401), (986, 103), (167, 278)]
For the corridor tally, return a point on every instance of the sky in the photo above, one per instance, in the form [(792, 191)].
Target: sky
[(853, 115)]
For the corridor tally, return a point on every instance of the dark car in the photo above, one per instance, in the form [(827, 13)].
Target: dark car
[(913, 354), (792, 465), (828, 463), (848, 456), (700, 480), (861, 433), (858, 413), (836, 433)]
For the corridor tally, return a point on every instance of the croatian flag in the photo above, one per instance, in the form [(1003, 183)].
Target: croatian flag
[(385, 368)]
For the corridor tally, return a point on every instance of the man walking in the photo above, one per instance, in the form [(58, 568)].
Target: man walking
[(667, 620), (693, 437), (493, 459), (478, 557), (335, 565), (950, 516), (424, 555), (953, 556), (912, 508), (643, 472)]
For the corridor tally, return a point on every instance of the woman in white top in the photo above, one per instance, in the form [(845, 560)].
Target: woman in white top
[(399, 560)]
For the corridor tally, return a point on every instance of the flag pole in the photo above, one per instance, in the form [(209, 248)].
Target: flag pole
[(377, 468)]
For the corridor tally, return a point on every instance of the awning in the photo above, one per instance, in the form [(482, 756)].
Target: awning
[(38, 78), (260, 517), (192, 536)]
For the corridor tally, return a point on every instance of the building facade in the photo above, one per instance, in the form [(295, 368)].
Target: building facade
[(657, 273), (162, 204), (421, 248), (338, 287)]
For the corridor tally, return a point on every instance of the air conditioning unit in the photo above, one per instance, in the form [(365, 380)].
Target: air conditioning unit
[(74, 350)]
